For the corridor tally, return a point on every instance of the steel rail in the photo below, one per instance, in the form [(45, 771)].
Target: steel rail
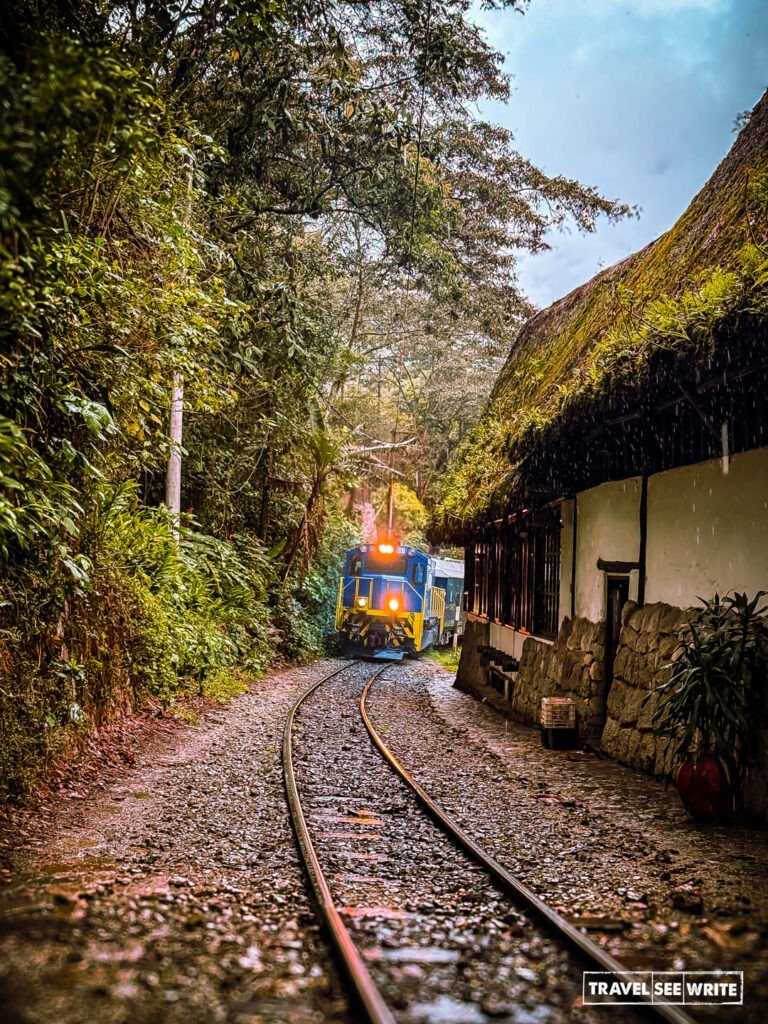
[(506, 881), (364, 987)]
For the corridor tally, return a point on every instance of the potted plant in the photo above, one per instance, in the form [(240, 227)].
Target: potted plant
[(715, 701)]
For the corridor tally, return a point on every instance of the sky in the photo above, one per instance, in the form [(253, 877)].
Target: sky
[(636, 98)]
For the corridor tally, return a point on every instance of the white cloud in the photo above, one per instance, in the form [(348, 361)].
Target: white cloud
[(643, 8), (641, 106)]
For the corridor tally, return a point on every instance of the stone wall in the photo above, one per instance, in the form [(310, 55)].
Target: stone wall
[(472, 673), (649, 636), (574, 666), (618, 720), (570, 667)]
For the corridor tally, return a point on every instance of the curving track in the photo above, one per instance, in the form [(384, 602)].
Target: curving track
[(338, 772), (365, 990)]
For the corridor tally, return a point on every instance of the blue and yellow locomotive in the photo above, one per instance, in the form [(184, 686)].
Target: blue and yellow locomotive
[(388, 605)]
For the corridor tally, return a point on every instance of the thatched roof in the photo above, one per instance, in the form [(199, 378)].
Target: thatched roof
[(599, 348)]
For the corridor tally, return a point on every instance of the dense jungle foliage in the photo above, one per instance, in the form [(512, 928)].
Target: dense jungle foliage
[(294, 207)]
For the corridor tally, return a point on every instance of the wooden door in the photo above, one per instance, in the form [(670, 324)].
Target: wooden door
[(617, 597)]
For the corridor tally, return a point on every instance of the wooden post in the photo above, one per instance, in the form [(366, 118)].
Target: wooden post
[(642, 554), (176, 427), (176, 432)]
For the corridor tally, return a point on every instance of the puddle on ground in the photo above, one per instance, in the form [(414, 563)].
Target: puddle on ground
[(365, 837), (77, 868), (336, 818), (69, 846), (445, 1010), (107, 810), (385, 912), (57, 885), (421, 955)]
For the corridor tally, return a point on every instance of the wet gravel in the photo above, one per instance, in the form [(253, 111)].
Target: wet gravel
[(175, 894), (171, 890), (611, 849), (440, 941)]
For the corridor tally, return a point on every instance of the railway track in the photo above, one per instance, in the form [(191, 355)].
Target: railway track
[(348, 809)]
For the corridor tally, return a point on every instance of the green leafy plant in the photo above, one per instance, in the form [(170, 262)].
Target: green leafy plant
[(716, 697)]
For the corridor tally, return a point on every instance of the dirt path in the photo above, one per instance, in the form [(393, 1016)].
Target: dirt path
[(174, 893)]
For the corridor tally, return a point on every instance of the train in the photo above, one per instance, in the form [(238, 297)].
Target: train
[(449, 576), (395, 602)]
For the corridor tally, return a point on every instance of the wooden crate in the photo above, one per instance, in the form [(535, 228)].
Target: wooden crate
[(558, 713)]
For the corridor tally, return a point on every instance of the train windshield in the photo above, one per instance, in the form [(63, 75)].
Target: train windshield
[(387, 565)]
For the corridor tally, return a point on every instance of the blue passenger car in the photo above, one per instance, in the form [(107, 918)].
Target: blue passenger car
[(388, 605), (449, 576)]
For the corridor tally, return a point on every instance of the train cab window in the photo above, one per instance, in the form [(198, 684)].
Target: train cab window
[(356, 566), (386, 564), (418, 574)]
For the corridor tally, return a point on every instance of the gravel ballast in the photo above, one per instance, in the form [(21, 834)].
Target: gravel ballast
[(440, 941), (175, 894), (171, 891), (609, 848)]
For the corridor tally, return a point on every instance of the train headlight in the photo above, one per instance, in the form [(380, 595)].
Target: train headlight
[(393, 604), (362, 602), (386, 549)]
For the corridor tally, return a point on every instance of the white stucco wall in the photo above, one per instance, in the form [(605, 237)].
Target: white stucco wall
[(608, 527), (707, 530), (509, 640)]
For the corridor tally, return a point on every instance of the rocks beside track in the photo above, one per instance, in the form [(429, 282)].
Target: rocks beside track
[(175, 893), (440, 941), (172, 892), (608, 847)]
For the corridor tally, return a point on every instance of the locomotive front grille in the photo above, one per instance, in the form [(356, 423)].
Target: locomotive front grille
[(375, 630)]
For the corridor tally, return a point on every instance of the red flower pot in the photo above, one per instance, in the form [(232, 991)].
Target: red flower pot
[(704, 788)]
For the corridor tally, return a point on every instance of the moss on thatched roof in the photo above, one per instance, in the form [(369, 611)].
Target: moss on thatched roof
[(600, 339)]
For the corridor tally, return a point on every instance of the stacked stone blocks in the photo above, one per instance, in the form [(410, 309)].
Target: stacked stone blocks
[(649, 636), (617, 719), (570, 667)]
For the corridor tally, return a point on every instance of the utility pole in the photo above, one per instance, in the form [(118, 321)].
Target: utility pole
[(176, 432), (176, 427)]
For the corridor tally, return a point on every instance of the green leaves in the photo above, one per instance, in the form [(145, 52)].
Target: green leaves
[(107, 284), (199, 190), (716, 696), (95, 416), (34, 506)]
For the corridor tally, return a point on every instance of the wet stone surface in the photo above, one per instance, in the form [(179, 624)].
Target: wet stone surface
[(609, 848), (175, 893), (439, 940)]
